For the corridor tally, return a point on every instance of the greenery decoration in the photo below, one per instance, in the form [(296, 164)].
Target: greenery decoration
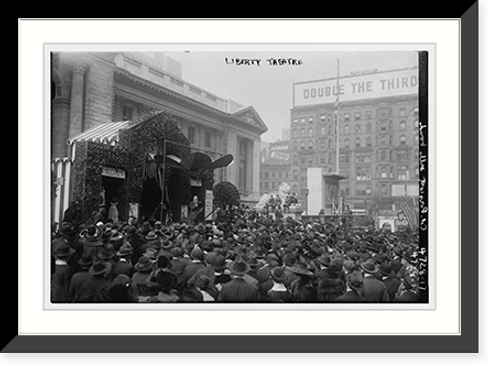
[(129, 154), (226, 193)]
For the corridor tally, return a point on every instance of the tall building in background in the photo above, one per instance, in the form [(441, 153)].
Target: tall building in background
[(378, 136), (275, 168)]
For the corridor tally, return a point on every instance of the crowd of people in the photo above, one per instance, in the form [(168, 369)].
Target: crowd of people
[(243, 257)]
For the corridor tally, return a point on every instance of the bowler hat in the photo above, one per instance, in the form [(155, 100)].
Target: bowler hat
[(144, 263), (218, 263), (99, 267), (197, 254), (239, 267), (278, 275), (64, 250)]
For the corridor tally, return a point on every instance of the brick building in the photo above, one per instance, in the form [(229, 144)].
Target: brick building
[(275, 167), (91, 89), (378, 136)]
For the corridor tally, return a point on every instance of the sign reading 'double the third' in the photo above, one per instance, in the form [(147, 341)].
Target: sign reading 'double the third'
[(356, 87)]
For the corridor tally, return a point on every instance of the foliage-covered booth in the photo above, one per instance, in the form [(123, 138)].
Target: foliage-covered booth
[(116, 165)]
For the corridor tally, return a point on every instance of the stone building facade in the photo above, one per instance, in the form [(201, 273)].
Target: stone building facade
[(90, 89)]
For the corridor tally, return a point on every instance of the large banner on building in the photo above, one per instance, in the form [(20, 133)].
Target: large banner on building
[(356, 87)]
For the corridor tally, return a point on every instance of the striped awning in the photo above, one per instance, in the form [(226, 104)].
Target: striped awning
[(106, 133)]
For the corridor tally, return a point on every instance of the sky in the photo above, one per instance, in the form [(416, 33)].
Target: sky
[(268, 88)]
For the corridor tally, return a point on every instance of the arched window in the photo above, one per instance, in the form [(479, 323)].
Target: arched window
[(323, 130), (302, 133), (357, 142), (302, 145), (295, 160), (347, 130), (347, 143), (383, 140), (311, 132), (402, 125), (295, 133), (383, 172), (357, 128), (310, 144), (368, 141), (295, 145), (402, 140)]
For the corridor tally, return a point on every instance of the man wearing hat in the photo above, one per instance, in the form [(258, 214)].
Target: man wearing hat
[(278, 293), (81, 277), (124, 265), (238, 290), (354, 289), (389, 278), (196, 264), (61, 278), (95, 289), (374, 290)]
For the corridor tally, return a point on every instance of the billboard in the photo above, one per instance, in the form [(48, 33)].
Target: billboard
[(356, 87)]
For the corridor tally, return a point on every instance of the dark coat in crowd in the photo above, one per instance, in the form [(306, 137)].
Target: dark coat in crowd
[(238, 291)]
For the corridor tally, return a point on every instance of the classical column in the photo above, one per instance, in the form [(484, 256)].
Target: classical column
[(76, 108), (248, 166)]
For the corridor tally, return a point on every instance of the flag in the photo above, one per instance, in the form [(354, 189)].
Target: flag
[(410, 210)]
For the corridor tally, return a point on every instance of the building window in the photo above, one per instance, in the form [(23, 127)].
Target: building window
[(362, 173), (347, 116), (357, 128), (347, 130), (273, 175), (415, 124), (311, 119), (295, 160), (295, 133), (322, 117), (368, 128), (295, 145), (402, 140), (302, 121), (311, 146), (311, 132), (191, 132), (128, 113), (363, 159), (266, 185), (416, 172), (368, 141), (357, 116), (322, 143), (368, 115), (383, 155), (302, 145), (383, 140), (295, 121), (295, 175), (383, 126), (403, 173), (402, 125), (322, 130), (415, 139), (208, 139), (415, 111), (403, 156), (357, 142), (402, 112), (347, 143), (383, 172), (344, 159), (302, 133)]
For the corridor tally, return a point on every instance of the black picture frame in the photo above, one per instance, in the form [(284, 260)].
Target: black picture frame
[(466, 342)]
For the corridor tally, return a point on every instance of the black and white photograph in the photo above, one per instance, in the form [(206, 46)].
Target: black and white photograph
[(230, 175)]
